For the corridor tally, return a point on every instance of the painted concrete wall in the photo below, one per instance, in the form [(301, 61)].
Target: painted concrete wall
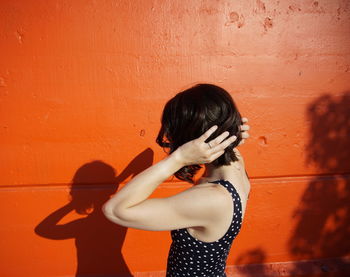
[(82, 87)]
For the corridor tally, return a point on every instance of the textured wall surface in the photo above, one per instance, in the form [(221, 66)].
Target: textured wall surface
[(82, 87)]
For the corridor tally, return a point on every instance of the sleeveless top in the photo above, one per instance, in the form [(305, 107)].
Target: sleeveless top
[(189, 256)]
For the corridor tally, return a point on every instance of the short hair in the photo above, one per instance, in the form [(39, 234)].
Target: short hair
[(192, 112)]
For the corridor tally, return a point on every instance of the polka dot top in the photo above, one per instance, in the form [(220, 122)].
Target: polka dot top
[(189, 256)]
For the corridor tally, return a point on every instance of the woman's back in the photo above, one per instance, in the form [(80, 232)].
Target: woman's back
[(191, 256), (202, 251)]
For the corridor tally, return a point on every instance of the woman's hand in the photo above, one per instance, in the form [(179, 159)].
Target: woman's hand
[(244, 130), (197, 151)]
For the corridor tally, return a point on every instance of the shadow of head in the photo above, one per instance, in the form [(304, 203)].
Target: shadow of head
[(84, 192), (94, 182)]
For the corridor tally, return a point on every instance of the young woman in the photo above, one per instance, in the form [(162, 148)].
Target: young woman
[(200, 125)]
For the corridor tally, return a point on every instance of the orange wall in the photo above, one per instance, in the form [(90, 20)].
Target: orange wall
[(82, 87)]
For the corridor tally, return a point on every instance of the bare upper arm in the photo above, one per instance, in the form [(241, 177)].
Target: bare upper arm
[(194, 207)]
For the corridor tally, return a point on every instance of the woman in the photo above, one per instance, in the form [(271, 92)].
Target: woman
[(200, 125)]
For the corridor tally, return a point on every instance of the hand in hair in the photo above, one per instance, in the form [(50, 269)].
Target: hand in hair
[(197, 151), (244, 130)]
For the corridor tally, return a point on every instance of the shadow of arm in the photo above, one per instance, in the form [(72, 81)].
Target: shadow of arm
[(49, 227)]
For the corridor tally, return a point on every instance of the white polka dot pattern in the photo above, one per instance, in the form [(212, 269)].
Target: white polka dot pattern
[(189, 256)]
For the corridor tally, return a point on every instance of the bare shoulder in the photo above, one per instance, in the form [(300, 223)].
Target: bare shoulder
[(209, 196), (205, 203)]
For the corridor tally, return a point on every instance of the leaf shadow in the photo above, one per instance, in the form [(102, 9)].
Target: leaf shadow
[(323, 214)]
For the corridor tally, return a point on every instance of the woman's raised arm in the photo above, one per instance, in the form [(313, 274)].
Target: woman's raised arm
[(130, 206)]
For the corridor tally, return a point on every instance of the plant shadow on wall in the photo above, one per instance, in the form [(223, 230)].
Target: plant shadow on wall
[(323, 215), (322, 218), (98, 241), (251, 263)]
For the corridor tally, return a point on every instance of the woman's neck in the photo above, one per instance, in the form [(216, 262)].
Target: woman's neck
[(212, 173)]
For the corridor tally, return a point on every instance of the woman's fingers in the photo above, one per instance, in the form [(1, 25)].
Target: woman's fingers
[(218, 139), (217, 155), (245, 135), (245, 127), (222, 146), (219, 149), (208, 133), (244, 130)]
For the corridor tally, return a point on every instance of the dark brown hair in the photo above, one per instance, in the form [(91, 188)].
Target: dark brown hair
[(192, 112)]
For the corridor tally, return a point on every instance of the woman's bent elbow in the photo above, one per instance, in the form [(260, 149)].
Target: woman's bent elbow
[(107, 210), (113, 213)]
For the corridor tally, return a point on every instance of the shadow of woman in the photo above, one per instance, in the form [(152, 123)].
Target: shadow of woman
[(323, 216), (98, 241)]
